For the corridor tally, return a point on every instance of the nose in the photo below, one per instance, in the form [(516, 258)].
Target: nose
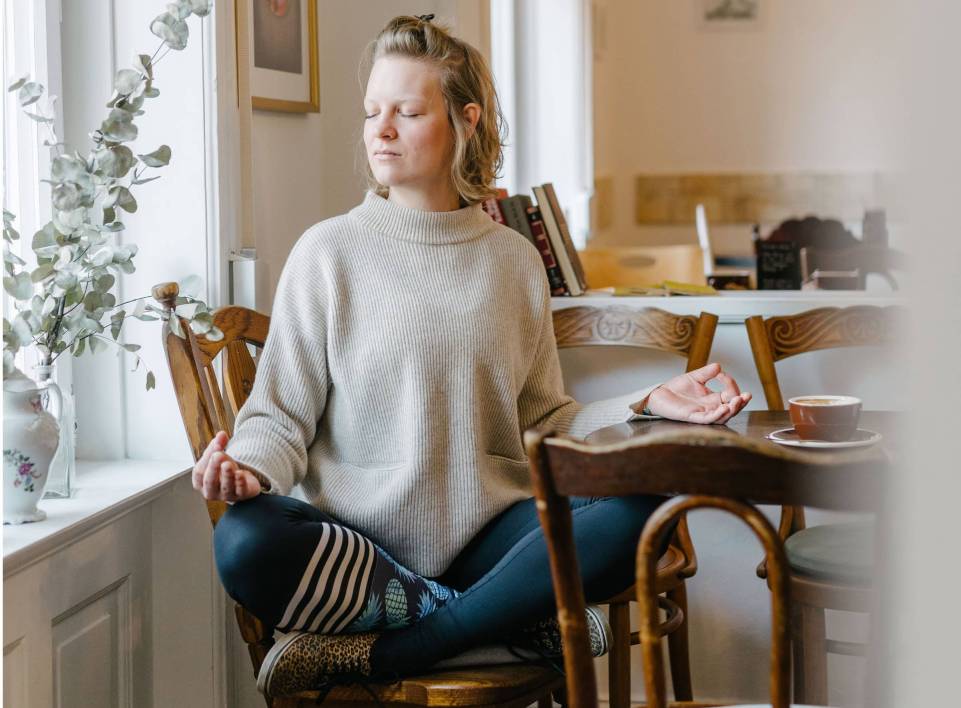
[(385, 127)]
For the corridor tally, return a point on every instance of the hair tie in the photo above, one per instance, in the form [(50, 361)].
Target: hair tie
[(426, 18)]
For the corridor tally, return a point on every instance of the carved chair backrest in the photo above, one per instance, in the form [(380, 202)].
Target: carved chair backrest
[(648, 327), (720, 469), (777, 338)]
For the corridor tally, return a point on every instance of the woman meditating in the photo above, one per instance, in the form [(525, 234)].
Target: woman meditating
[(410, 346)]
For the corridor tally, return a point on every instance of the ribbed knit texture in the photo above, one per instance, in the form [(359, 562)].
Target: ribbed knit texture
[(408, 351)]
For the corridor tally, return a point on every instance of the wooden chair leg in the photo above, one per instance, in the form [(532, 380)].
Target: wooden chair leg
[(810, 656), (560, 695), (545, 702), (619, 657), (678, 649)]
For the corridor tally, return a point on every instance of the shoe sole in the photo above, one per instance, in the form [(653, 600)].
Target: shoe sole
[(596, 615), (273, 654)]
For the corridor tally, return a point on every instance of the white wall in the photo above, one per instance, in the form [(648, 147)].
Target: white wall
[(806, 89)]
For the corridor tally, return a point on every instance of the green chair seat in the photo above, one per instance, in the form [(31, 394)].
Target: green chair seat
[(835, 552)]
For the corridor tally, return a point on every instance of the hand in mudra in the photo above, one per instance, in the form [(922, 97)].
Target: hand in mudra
[(220, 478), (687, 397)]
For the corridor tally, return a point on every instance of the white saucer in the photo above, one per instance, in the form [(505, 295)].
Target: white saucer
[(788, 436)]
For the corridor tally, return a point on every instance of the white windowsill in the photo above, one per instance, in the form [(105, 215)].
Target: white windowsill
[(106, 490)]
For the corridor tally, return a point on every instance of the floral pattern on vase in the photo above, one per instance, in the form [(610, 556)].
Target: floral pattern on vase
[(26, 470)]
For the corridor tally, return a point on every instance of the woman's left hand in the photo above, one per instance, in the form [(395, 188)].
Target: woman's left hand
[(687, 397)]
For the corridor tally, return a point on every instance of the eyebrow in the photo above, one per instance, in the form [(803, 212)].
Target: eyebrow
[(401, 99)]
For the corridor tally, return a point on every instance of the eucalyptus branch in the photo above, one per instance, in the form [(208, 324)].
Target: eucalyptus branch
[(80, 187)]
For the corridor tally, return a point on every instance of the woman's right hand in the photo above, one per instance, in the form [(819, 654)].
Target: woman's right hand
[(220, 478)]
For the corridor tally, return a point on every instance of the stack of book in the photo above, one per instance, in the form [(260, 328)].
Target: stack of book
[(544, 226)]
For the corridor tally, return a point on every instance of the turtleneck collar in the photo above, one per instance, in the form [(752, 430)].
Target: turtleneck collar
[(432, 227)]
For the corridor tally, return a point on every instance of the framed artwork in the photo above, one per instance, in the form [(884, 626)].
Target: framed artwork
[(284, 75)]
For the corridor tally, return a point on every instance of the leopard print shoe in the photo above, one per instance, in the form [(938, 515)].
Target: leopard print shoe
[(304, 661), (544, 637)]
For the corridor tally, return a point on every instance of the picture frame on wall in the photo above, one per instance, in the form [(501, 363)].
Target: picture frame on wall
[(283, 63)]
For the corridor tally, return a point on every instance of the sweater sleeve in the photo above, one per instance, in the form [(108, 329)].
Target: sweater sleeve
[(543, 402), (277, 424)]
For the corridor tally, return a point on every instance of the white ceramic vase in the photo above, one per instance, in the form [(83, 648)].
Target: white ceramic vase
[(30, 439)]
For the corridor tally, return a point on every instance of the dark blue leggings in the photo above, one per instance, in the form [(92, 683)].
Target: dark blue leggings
[(502, 577)]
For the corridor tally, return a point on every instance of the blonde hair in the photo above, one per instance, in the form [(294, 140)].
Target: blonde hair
[(465, 77)]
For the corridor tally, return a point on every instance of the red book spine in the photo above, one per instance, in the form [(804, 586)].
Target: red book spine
[(554, 277), (493, 210)]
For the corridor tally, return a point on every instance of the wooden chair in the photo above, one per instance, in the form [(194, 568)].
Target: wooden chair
[(719, 467), (690, 337), (204, 411), (816, 583)]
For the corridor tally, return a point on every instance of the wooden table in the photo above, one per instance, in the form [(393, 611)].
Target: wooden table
[(846, 478)]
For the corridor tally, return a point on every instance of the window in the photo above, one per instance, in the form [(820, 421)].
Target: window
[(75, 49)]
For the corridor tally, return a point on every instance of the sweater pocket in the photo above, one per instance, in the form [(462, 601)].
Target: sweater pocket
[(509, 472)]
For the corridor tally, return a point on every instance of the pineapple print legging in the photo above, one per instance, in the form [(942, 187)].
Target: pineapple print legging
[(295, 567)]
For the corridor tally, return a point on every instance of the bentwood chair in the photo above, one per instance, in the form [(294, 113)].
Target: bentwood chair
[(831, 565), (204, 411), (720, 469), (690, 337)]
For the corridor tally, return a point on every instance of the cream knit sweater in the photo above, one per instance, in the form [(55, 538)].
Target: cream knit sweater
[(408, 351)]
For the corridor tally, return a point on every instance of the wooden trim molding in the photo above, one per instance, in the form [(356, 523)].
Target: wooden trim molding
[(747, 198)]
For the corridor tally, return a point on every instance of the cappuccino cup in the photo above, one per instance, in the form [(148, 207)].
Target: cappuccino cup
[(825, 417)]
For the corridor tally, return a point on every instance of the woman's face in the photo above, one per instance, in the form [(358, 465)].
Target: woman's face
[(406, 131)]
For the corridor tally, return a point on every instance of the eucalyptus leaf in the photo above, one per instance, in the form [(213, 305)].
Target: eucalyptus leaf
[(116, 322), (44, 242), (41, 272), (92, 300), (67, 168), (18, 83), (175, 327), (21, 330), (30, 92), (151, 380), (79, 345), (39, 118), (66, 196), (126, 81), (180, 10), (131, 347), (171, 29), (151, 92), (118, 127), (120, 196), (144, 181), (145, 61), (104, 283), (201, 8), (191, 286), (109, 214), (157, 158), (49, 304), (19, 286), (95, 344), (115, 161)]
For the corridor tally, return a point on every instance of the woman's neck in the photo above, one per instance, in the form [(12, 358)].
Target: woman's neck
[(425, 200)]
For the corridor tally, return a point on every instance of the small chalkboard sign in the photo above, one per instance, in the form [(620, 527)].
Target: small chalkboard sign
[(778, 265)]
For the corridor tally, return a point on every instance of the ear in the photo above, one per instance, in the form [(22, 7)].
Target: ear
[(472, 113)]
